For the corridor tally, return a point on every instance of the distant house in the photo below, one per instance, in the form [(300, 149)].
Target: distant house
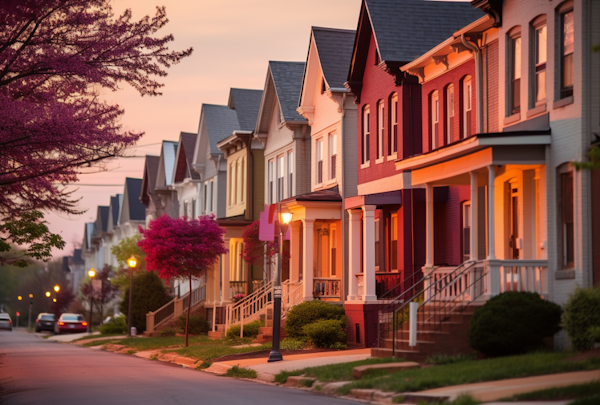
[(165, 197), (148, 197), (74, 266)]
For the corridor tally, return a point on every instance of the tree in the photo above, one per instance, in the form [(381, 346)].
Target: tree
[(108, 291), (182, 248), (29, 230), (256, 250), (122, 251), (56, 58)]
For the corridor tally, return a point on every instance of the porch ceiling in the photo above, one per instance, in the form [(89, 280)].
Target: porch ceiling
[(315, 210)]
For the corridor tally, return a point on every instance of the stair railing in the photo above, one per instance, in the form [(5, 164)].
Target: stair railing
[(249, 306), (292, 296)]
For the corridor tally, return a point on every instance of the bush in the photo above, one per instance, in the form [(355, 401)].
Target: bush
[(309, 312), (198, 325), (513, 323), (170, 331), (581, 318), (291, 344), (326, 332), (115, 325), (250, 330)]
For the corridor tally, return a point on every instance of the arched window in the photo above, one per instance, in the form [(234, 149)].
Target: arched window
[(434, 119), (449, 113)]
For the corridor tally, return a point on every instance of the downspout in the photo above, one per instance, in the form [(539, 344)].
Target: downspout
[(345, 281), (478, 76)]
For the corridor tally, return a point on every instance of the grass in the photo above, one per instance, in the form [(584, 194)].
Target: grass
[(333, 372), (595, 400), (576, 391), (238, 372), (98, 342), (102, 335), (474, 371)]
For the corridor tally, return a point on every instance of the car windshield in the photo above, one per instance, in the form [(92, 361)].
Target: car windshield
[(48, 317), (71, 317)]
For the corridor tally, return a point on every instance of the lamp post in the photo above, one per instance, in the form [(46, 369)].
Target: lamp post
[(91, 274), (284, 219), (131, 262), (56, 288), (30, 305)]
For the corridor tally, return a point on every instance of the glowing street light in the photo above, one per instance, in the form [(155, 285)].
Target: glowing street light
[(131, 262), (48, 294), (19, 298), (92, 272), (30, 295), (57, 288), (53, 299)]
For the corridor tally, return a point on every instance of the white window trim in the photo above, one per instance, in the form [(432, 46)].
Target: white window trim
[(393, 114)]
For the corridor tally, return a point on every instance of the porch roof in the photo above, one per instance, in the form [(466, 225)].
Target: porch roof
[(330, 195), (387, 198)]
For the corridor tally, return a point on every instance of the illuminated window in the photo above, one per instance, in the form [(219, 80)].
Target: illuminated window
[(394, 243), (435, 118), (365, 134), (540, 57), (449, 112), (393, 130), (467, 89)]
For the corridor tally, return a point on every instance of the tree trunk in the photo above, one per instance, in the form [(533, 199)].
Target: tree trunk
[(187, 321)]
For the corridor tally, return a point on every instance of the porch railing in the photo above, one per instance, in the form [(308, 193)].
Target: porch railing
[(237, 287), (327, 287), (250, 307), (292, 294)]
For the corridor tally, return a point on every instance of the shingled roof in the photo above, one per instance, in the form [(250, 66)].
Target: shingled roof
[(287, 77), (115, 204), (246, 103), (220, 121), (102, 219), (137, 210), (149, 181), (187, 140), (334, 47), (406, 29)]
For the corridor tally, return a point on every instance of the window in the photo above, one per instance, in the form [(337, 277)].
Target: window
[(377, 245), (271, 190), (280, 178), (393, 131), (466, 231), (319, 178), (323, 86), (380, 127), (332, 155), (290, 185), (193, 208), (449, 112), (567, 47), (435, 117), (235, 182), (242, 180), (366, 133), (186, 212), (210, 195), (467, 101), (394, 242), (539, 70), (205, 198), (515, 73), (568, 231)]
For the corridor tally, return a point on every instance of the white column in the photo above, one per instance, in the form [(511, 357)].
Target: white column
[(225, 270), (353, 254), (307, 270), (474, 225), (369, 253), (491, 213), (429, 227), (295, 251)]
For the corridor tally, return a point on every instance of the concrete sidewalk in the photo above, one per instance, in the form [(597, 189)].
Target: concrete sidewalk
[(70, 337), (266, 371)]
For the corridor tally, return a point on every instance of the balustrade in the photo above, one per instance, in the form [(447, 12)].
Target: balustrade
[(327, 288)]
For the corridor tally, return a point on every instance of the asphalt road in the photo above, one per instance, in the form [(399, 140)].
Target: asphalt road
[(37, 371)]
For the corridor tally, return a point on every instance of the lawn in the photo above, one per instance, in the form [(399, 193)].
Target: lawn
[(101, 335), (334, 372), (577, 391), (474, 371)]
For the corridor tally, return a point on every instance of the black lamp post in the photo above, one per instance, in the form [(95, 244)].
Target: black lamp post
[(91, 274), (131, 262), (284, 219)]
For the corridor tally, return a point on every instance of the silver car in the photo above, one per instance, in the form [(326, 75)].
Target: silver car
[(5, 321)]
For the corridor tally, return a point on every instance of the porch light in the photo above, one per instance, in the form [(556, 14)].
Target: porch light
[(92, 272), (286, 217), (48, 294), (132, 261)]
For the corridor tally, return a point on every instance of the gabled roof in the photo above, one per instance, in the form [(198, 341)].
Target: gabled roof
[(137, 211), (287, 78), (246, 103), (220, 121), (115, 205), (334, 47), (184, 158), (76, 258), (149, 180), (102, 219), (88, 232), (406, 29), (166, 164)]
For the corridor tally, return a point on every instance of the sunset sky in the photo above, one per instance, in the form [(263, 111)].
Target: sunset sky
[(233, 40)]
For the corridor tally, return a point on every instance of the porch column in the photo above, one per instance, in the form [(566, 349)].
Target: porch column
[(429, 227), (295, 252), (491, 213), (369, 293), (474, 224), (353, 254), (225, 270), (307, 270)]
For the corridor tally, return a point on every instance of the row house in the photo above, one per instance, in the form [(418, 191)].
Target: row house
[(387, 217)]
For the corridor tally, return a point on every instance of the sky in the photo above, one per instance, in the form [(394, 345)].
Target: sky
[(233, 41)]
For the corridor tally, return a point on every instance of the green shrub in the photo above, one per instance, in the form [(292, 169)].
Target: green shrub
[(170, 331), (115, 325), (513, 323), (326, 332), (581, 318), (309, 312), (250, 330), (291, 344), (198, 325)]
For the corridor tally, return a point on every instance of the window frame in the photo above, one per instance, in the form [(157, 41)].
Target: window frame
[(393, 253), (380, 131), (393, 126), (562, 11), (514, 66), (434, 118), (290, 163), (271, 180), (366, 136), (332, 150), (450, 112), (280, 177), (538, 67), (466, 107), (319, 160)]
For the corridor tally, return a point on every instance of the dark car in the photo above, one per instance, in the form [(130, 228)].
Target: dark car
[(44, 321), (5, 321), (70, 323)]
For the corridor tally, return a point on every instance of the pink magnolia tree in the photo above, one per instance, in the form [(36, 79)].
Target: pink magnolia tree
[(182, 248), (57, 57)]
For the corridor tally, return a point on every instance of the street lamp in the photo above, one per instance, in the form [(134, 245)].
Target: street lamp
[(57, 288), (284, 220), (48, 294), (131, 262), (19, 298), (29, 317), (91, 274)]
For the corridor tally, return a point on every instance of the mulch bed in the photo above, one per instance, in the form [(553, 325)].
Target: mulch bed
[(264, 354), (590, 354)]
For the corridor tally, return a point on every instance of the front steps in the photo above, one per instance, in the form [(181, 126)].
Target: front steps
[(447, 337)]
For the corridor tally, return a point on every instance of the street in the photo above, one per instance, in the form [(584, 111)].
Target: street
[(37, 371)]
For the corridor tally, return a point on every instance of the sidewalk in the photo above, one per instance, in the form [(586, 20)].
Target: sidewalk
[(266, 371), (70, 337)]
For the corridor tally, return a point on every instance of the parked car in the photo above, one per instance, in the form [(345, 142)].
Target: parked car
[(5, 321), (70, 323), (45, 321)]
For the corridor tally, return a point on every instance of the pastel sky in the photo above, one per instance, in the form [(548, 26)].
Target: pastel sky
[(233, 40)]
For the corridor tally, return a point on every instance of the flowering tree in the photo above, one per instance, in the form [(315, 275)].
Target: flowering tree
[(56, 58), (255, 250), (108, 291), (182, 248)]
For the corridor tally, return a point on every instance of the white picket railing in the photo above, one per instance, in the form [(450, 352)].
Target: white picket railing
[(292, 294), (250, 307)]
